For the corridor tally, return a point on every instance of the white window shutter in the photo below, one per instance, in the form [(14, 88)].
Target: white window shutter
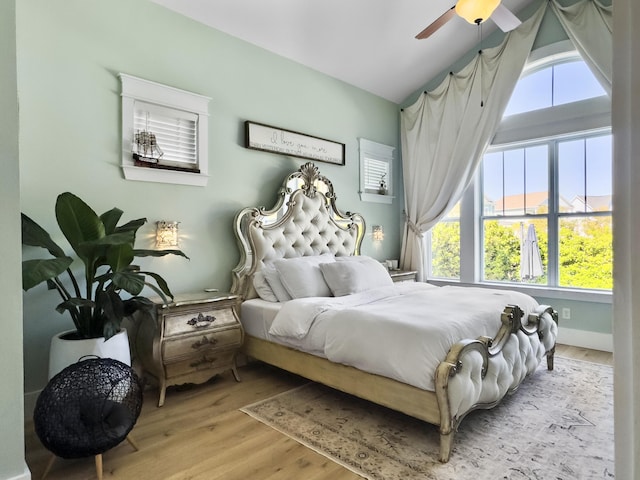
[(175, 131)]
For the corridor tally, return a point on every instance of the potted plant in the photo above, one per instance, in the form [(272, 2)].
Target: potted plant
[(382, 186), (106, 251)]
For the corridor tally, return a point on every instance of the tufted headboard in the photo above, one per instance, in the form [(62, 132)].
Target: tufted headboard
[(305, 221)]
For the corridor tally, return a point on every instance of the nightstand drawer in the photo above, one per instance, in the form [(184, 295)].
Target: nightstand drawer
[(213, 360), (194, 345), (190, 339), (195, 321)]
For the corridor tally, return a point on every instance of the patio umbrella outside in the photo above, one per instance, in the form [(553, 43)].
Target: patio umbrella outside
[(530, 259)]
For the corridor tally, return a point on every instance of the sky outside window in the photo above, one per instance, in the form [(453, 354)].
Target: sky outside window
[(556, 85)]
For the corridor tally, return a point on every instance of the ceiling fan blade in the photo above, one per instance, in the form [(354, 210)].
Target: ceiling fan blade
[(440, 21), (505, 19)]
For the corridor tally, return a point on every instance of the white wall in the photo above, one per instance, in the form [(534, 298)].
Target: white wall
[(626, 217), (12, 464)]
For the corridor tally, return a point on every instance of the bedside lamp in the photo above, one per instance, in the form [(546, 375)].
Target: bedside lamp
[(167, 234), (377, 232)]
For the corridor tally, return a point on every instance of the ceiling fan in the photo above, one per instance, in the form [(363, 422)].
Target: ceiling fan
[(476, 12)]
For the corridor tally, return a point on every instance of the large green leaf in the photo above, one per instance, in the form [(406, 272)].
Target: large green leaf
[(134, 304), (110, 219), (111, 308), (97, 251), (119, 257), (129, 282), (131, 226), (158, 253), (162, 284), (79, 223), (111, 304), (34, 235), (37, 271), (116, 238), (74, 303)]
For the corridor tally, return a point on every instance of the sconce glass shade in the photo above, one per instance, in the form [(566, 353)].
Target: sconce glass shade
[(378, 233), (476, 11), (167, 234)]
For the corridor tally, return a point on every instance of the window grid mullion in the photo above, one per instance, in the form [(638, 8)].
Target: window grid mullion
[(553, 223)]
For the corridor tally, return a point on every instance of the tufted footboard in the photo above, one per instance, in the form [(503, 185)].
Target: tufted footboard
[(479, 373)]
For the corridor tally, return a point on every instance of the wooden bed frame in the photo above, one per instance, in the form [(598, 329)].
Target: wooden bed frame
[(259, 234)]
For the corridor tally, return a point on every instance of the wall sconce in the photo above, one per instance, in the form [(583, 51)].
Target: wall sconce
[(377, 233), (166, 234)]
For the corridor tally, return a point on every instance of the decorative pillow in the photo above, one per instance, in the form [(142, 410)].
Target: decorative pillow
[(263, 289), (273, 279), (347, 277), (301, 276)]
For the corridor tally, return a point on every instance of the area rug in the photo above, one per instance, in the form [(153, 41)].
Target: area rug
[(557, 425)]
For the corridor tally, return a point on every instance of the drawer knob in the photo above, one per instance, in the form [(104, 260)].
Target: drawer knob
[(201, 321), (204, 341)]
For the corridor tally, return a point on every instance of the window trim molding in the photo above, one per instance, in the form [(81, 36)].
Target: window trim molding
[(589, 115), (134, 88), (556, 53), (381, 152), (594, 296)]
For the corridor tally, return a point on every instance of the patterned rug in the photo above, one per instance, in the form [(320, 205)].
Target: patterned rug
[(558, 425)]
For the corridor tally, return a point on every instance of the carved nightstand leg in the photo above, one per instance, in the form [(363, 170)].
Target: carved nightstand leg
[(234, 369), (163, 389)]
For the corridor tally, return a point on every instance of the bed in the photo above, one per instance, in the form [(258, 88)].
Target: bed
[(312, 305)]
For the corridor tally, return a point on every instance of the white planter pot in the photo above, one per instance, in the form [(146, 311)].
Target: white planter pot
[(66, 352)]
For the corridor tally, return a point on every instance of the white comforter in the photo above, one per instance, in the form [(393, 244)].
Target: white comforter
[(402, 331)]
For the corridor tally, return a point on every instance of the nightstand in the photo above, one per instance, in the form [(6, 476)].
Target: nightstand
[(190, 339), (403, 275)]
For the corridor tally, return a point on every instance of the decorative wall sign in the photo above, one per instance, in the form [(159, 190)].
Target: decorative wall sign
[(286, 142)]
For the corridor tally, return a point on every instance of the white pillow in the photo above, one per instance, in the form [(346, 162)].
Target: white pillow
[(301, 276), (263, 289), (347, 277), (355, 258), (273, 279)]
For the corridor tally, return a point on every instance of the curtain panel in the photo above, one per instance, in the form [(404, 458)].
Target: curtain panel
[(589, 25), (445, 132)]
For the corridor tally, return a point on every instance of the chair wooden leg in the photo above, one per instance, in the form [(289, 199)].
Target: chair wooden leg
[(49, 465), (99, 466), (132, 443)]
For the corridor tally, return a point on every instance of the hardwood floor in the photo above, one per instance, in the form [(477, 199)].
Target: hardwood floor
[(200, 434), (595, 356)]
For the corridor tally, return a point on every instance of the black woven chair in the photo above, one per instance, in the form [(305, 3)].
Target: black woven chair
[(87, 409)]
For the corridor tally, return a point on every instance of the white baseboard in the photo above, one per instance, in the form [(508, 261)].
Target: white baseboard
[(26, 475), (585, 339)]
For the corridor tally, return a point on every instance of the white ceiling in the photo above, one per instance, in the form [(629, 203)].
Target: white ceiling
[(366, 43)]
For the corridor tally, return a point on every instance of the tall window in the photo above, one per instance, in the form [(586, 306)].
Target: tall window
[(543, 194), (546, 213), (445, 246)]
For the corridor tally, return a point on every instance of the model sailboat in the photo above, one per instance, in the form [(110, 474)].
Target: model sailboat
[(145, 147)]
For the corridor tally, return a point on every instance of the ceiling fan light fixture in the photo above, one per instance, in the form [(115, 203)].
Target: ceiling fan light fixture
[(476, 11)]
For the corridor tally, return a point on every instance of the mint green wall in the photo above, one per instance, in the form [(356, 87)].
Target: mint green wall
[(588, 316), (69, 54), (12, 464)]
